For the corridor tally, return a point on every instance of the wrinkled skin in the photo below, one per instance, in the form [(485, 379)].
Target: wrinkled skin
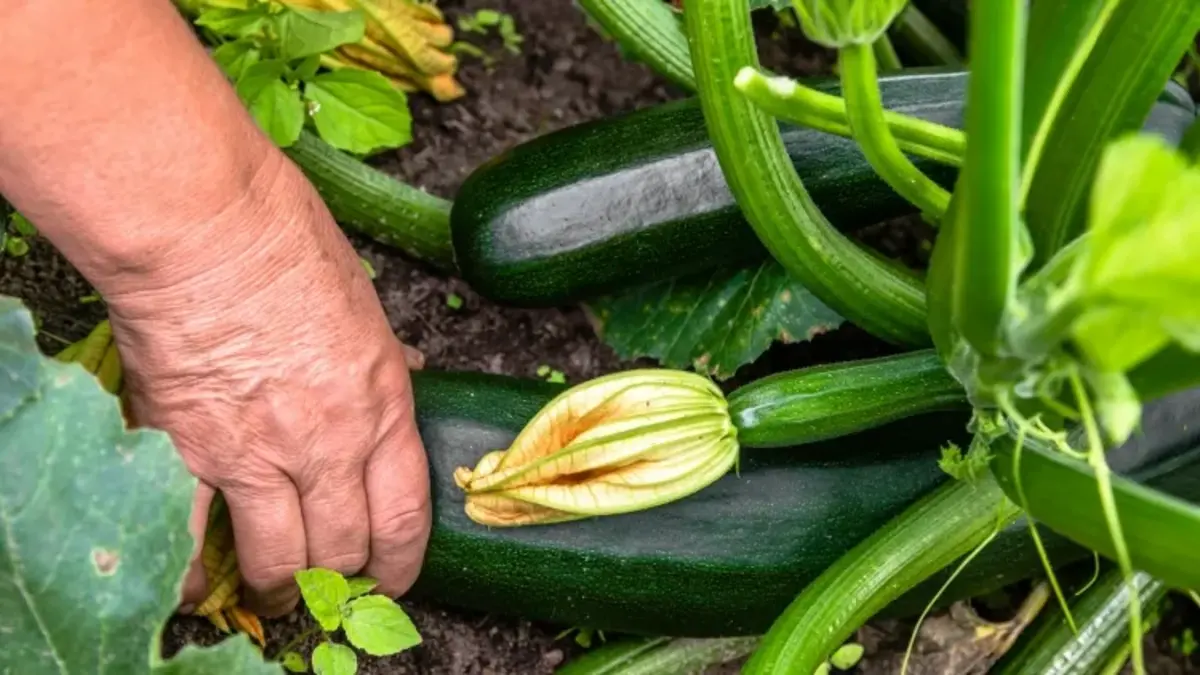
[(283, 387), (247, 326)]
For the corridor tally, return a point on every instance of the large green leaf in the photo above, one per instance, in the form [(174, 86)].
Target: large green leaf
[(1126, 57), (715, 322), (93, 519), (234, 655)]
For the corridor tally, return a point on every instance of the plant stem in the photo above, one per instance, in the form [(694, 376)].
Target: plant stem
[(1099, 464), (915, 30), (886, 55), (985, 269), (882, 298), (788, 100), (864, 109), (932, 533), (650, 31), (299, 639)]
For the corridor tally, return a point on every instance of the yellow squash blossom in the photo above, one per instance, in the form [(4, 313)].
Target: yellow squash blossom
[(620, 443)]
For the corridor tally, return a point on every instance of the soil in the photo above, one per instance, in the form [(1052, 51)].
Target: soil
[(566, 73)]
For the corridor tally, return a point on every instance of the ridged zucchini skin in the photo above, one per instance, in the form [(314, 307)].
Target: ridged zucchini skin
[(723, 562), (605, 205), (829, 401), (602, 205)]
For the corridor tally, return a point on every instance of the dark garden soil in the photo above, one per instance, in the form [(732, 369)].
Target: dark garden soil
[(566, 73)]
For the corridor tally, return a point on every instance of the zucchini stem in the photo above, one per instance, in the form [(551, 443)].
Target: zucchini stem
[(864, 109), (885, 54), (882, 298), (786, 99), (921, 35), (986, 260), (651, 32), (1099, 464)]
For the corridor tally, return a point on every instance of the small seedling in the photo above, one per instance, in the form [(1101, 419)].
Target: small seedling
[(454, 301), (551, 375), (373, 623), (1185, 642), (485, 19), (847, 656), (14, 239)]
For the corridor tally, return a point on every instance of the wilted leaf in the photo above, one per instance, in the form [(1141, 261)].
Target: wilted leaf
[(714, 322), (95, 523), (359, 111), (379, 627), (330, 658), (324, 591)]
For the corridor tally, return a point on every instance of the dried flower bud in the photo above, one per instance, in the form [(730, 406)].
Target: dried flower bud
[(840, 23), (619, 443)]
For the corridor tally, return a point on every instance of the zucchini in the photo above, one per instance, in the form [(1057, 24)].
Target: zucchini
[(609, 204), (829, 401), (726, 561), (603, 205)]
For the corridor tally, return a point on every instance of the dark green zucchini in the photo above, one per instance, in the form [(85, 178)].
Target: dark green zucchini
[(599, 206), (606, 205), (729, 559), (830, 401)]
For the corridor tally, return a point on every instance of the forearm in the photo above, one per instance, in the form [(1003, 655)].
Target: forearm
[(123, 142)]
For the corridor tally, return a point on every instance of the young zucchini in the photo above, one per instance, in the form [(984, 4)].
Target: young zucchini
[(639, 197), (829, 401), (729, 559)]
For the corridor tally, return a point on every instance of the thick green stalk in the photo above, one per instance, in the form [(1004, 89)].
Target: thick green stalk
[(886, 55), (864, 108), (1060, 492), (917, 33), (786, 99), (881, 298), (650, 31), (1119, 69), (928, 536), (372, 203), (985, 271)]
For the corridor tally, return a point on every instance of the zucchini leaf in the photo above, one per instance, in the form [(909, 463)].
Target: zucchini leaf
[(95, 522), (714, 322), (1132, 48)]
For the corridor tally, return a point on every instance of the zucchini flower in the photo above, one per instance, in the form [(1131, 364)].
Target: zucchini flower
[(840, 23), (620, 443), (405, 41)]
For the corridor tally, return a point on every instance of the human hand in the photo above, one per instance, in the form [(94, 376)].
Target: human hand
[(268, 359)]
